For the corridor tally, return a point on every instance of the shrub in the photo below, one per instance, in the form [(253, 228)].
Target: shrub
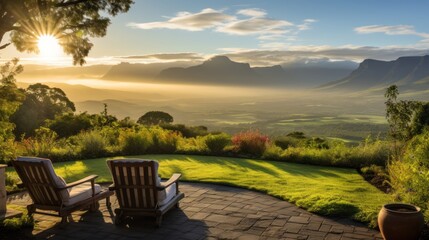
[(195, 145), (187, 132), (41, 144), (216, 143), (135, 142), (92, 144), (16, 224), (273, 152), (164, 141), (409, 176), (285, 142), (8, 149), (250, 142)]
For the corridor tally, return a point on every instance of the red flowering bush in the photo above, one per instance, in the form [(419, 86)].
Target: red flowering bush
[(250, 142)]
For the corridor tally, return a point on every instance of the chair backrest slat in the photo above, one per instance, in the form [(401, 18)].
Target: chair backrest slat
[(135, 183), (39, 182)]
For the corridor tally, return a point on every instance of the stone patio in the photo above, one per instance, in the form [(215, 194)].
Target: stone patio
[(207, 212)]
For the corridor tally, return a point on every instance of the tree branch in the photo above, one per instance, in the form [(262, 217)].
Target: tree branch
[(70, 3)]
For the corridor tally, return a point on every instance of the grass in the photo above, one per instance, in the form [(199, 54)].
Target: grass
[(323, 190)]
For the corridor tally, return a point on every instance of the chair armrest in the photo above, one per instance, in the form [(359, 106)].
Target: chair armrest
[(90, 178), (170, 181), (112, 187)]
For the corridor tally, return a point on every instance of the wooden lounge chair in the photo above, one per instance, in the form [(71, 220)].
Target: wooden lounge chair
[(51, 193), (140, 191)]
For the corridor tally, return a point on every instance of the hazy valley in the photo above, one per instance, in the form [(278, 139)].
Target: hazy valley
[(330, 99)]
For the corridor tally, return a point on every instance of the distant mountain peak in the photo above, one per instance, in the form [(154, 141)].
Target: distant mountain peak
[(219, 59), (409, 72)]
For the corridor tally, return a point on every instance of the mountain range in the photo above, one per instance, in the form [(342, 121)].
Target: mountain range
[(220, 70), (409, 73)]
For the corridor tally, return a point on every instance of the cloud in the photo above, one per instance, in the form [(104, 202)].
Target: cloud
[(252, 26), (168, 56), (390, 30), (306, 24), (252, 12), (207, 18), (246, 22), (268, 57)]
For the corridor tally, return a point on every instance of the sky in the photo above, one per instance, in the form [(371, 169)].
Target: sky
[(259, 32)]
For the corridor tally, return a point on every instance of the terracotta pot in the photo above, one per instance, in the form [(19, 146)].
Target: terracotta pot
[(399, 221)]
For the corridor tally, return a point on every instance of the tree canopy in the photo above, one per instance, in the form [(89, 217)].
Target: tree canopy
[(11, 96), (41, 103), (72, 22), (155, 118), (406, 118)]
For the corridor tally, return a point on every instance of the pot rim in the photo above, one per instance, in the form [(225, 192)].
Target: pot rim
[(390, 207)]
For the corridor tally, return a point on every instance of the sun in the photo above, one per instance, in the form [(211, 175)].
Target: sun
[(49, 48)]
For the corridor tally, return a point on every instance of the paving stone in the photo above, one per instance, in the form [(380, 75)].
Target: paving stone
[(293, 227), (296, 219), (279, 222)]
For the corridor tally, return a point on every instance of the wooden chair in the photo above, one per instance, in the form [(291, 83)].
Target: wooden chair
[(140, 191), (50, 192)]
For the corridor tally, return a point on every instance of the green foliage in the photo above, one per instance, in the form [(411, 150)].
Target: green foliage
[(409, 176), (336, 154), (155, 118), (164, 141), (134, 142), (70, 124), (195, 145), (217, 142), (8, 149), (41, 144), (406, 118), (41, 103), (285, 142), (71, 22), (11, 98), (17, 224), (188, 132), (92, 144), (250, 142)]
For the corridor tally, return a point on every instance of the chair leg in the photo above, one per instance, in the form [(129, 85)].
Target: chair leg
[(108, 203), (118, 217), (158, 220), (31, 209)]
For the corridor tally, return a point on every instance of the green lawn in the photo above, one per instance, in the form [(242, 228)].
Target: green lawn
[(324, 190)]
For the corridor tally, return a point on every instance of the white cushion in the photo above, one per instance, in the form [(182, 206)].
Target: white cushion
[(81, 192), (65, 194), (164, 196)]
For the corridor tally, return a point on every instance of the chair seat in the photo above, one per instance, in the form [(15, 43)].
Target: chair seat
[(81, 192), (166, 195)]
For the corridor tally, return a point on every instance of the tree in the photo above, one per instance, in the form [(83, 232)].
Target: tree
[(155, 118), (406, 118), (67, 125), (72, 22), (41, 103), (10, 99), (11, 96)]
